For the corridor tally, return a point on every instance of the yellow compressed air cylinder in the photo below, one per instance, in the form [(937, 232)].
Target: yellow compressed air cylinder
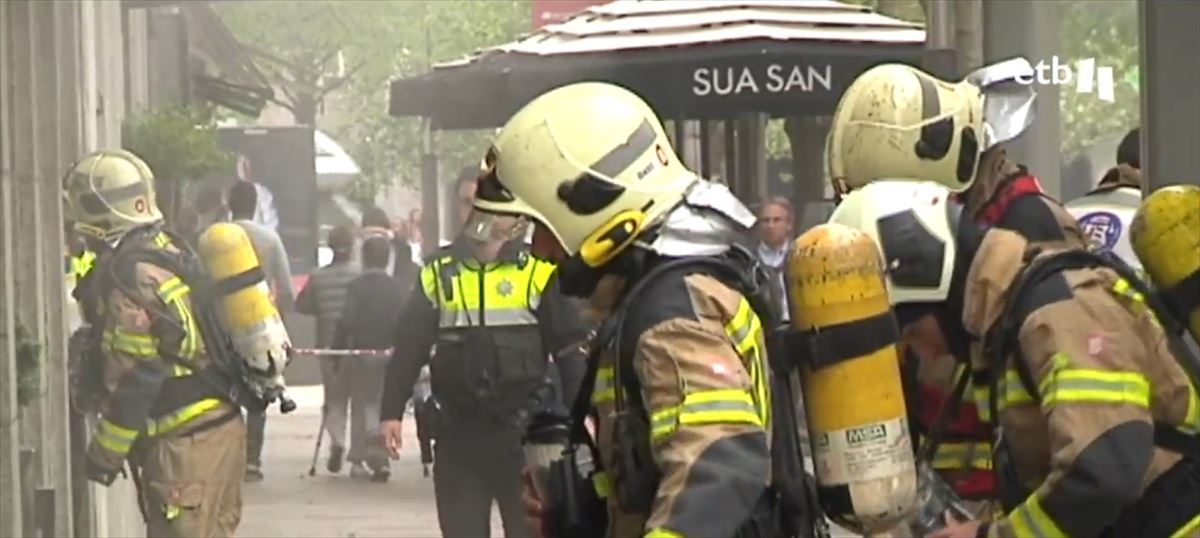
[(247, 312), (857, 419), (1166, 238)]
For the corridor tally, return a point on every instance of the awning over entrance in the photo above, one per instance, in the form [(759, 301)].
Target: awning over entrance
[(692, 59)]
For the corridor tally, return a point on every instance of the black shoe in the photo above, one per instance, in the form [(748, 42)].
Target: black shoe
[(334, 465)]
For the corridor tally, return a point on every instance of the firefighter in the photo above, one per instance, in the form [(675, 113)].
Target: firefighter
[(681, 396), (1106, 213), (1097, 413), (952, 133), (492, 310), (181, 438)]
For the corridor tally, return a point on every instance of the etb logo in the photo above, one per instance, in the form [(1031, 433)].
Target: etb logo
[(1087, 76)]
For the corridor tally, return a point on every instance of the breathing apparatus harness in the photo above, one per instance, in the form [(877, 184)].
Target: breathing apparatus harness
[(228, 375), (790, 507)]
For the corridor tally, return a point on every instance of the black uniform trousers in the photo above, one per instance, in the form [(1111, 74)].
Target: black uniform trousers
[(474, 466)]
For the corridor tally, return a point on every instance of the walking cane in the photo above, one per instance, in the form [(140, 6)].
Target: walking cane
[(312, 470)]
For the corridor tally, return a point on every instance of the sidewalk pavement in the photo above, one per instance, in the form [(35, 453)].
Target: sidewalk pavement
[(289, 503)]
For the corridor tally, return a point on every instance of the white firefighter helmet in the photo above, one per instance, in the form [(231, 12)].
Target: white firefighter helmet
[(913, 223), (896, 121), (110, 192), (591, 162)]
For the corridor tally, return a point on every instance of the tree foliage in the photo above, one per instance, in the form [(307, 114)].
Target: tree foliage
[(379, 41), (1106, 30)]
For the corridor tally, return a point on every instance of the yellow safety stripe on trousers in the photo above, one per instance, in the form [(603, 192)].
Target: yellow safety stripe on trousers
[(498, 295), (170, 422), (1188, 528), (173, 292), (139, 345), (1030, 519), (745, 330), (1082, 385), (963, 456), (116, 439), (662, 533), (604, 390), (725, 406)]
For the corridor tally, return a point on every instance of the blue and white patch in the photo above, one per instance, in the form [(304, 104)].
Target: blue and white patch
[(1102, 228)]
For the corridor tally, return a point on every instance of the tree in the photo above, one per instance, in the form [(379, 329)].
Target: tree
[(179, 145), (360, 46), (1107, 31)]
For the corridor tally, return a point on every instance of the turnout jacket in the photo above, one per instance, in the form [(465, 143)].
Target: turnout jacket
[(143, 316), (699, 355), (1083, 447), (495, 327)]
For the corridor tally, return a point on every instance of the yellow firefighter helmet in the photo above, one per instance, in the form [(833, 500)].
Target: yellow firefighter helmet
[(589, 161), (913, 222), (1164, 236), (897, 121), (110, 192)]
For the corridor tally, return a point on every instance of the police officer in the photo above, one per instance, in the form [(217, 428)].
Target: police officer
[(1106, 213), (1095, 414), (680, 398), (492, 312), (183, 441)]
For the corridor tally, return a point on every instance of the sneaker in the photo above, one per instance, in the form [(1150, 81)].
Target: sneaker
[(334, 465), (253, 472), (359, 470), (381, 475)]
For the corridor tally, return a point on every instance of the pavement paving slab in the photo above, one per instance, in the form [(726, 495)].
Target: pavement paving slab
[(289, 503)]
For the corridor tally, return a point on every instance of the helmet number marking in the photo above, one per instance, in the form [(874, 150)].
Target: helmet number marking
[(661, 153), (139, 205)]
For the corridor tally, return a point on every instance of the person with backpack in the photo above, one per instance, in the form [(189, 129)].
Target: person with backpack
[(164, 398), (679, 387), (1097, 410)]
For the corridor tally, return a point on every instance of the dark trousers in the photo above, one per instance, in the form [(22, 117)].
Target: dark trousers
[(470, 471), (256, 424)]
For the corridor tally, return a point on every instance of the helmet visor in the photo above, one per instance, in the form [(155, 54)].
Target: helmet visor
[(1008, 99), (487, 227)]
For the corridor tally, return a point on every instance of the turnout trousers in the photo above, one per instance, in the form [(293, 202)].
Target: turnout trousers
[(191, 484)]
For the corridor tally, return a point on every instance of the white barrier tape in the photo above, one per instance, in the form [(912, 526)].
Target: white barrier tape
[(319, 352)]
